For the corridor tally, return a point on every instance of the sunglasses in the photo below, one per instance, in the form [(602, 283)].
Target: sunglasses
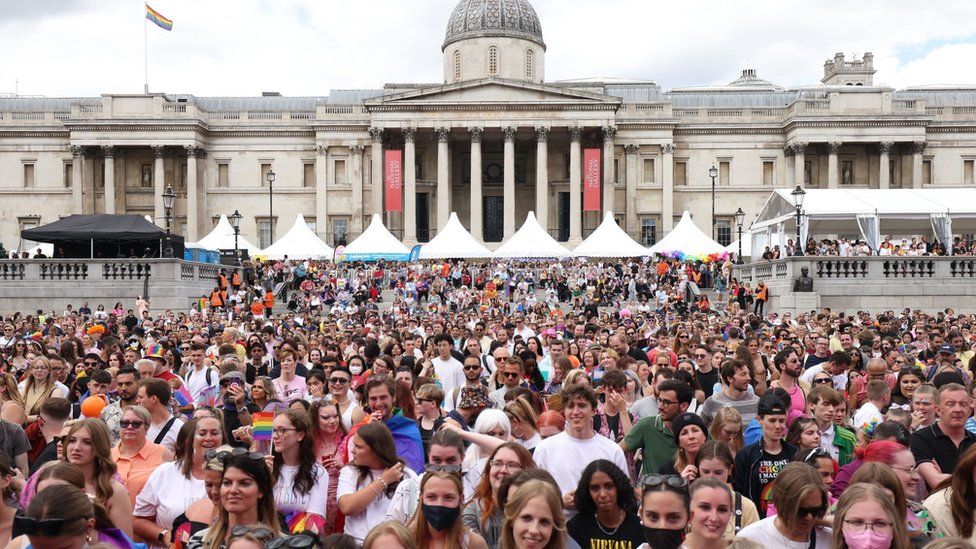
[(48, 528), (298, 541), (223, 455), (338, 380), (450, 469), (134, 424), (815, 454), (815, 512), (262, 533), (472, 368), (511, 375)]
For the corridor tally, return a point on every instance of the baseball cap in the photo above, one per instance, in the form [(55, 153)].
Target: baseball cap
[(948, 349), (770, 404)]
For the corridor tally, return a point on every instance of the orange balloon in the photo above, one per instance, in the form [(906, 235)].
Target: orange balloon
[(92, 406)]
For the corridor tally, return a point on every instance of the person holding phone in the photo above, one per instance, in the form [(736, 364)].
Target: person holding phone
[(237, 407)]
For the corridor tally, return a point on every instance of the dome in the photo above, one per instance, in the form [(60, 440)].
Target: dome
[(509, 18), (749, 79)]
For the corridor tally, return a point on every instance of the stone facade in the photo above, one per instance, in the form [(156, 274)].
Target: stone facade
[(491, 142)]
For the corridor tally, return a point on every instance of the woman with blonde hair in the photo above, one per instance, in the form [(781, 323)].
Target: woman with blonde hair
[(534, 514), (389, 535), (11, 402), (88, 447), (523, 420), (39, 386), (437, 520), (727, 427), (801, 501), (866, 518)]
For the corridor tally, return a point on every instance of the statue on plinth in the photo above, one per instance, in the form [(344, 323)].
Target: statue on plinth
[(803, 283)]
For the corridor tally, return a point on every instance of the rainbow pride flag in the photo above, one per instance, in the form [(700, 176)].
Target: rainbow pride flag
[(261, 425), (158, 18)]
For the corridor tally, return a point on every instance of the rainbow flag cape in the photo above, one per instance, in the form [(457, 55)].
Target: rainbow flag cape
[(261, 424), (301, 521), (158, 18), (208, 396)]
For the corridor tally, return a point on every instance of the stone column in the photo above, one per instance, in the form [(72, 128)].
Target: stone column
[(356, 223), (443, 177), (509, 181), (575, 188), (884, 167), (77, 157), (833, 174), (159, 185), (608, 174), (800, 165), (918, 148), (376, 169), (476, 198), (321, 194), (542, 175), (667, 188), (109, 152), (630, 218), (192, 202), (409, 186), (790, 168)]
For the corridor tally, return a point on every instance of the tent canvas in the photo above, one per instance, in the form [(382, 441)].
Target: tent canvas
[(687, 239), (454, 241), (531, 241), (376, 242), (299, 243), (103, 235), (222, 238), (609, 240)]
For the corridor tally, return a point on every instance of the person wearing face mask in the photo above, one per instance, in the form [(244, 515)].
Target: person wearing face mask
[(866, 519), (801, 501), (664, 511), (436, 523)]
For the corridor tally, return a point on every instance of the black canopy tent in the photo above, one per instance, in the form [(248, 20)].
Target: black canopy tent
[(104, 236)]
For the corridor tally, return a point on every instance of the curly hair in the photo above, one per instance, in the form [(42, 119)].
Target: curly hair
[(625, 494)]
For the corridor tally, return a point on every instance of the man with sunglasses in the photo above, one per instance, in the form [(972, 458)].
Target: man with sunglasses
[(510, 373)]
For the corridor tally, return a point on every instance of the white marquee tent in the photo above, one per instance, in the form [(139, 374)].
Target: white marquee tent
[(376, 242), (531, 241), (454, 241), (687, 239), (609, 240), (222, 238), (299, 243), (868, 212)]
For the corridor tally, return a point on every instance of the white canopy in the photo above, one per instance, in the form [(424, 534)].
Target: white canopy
[(761, 240), (454, 240), (688, 239), (376, 242), (531, 241), (299, 243), (609, 240), (222, 238)]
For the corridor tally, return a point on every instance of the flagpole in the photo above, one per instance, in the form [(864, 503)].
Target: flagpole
[(145, 51)]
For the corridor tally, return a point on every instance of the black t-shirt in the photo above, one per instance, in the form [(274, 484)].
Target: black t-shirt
[(585, 531), (707, 381), (232, 421)]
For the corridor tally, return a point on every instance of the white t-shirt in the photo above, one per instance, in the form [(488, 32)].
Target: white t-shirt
[(287, 500), (566, 457), (196, 381), (167, 494), (359, 525), (766, 534), (450, 373), (169, 440), (840, 381), (866, 414)]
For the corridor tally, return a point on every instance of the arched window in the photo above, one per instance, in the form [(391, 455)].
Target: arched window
[(493, 61), (529, 68), (457, 65)]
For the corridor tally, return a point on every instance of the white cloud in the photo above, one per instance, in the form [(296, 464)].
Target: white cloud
[(307, 47)]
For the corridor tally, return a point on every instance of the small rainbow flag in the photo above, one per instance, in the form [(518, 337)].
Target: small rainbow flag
[(158, 18), (261, 424)]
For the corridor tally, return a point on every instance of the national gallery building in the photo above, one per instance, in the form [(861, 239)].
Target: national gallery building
[(493, 141)]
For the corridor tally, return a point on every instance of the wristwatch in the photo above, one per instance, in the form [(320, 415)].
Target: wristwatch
[(162, 536)]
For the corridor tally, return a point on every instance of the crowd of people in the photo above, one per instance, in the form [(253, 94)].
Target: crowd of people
[(844, 247), (504, 404)]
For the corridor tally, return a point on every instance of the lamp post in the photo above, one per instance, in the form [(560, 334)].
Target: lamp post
[(739, 217), (235, 222), (798, 195), (713, 173), (169, 197), (271, 178)]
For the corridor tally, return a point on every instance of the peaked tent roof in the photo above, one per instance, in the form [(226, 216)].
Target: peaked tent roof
[(687, 239), (376, 242), (299, 243), (454, 240), (531, 241), (609, 240), (222, 238), (80, 227)]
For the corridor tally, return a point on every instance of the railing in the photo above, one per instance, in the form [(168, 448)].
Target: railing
[(837, 268), (170, 108), (908, 104), (861, 268), (28, 116), (817, 104), (10, 271), (224, 115), (264, 115), (90, 109)]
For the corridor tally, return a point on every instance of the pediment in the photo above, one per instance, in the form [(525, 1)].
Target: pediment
[(494, 91)]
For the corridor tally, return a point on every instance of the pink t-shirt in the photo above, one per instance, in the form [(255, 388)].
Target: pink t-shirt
[(291, 390)]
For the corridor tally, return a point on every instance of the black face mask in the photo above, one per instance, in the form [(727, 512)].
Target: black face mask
[(439, 517), (664, 538)]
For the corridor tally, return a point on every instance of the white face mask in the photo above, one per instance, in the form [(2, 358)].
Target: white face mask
[(356, 370)]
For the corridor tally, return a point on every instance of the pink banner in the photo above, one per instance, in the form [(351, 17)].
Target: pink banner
[(394, 181), (591, 180)]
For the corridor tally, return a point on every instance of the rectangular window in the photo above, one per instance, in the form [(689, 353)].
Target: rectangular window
[(181, 180), (28, 175), (265, 168), (680, 173), (311, 223), (566, 166), (340, 172), (767, 173), (24, 223), (648, 232), (308, 174), (723, 228), (926, 172), (807, 172), (892, 182), (648, 170), (616, 170), (67, 175), (967, 172), (264, 232), (223, 175), (340, 228), (724, 173)]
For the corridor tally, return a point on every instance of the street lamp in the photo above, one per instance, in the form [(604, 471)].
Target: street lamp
[(713, 173), (271, 177), (235, 222), (739, 218), (798, 195), (169, 197)]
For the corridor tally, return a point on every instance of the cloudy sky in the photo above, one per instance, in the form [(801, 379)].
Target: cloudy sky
[(307, 47)]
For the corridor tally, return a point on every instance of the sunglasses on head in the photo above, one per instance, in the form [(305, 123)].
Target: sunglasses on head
[(224, 455), (674, 481), (815, 454), (261, 533), (48, 528), (450, 469)]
